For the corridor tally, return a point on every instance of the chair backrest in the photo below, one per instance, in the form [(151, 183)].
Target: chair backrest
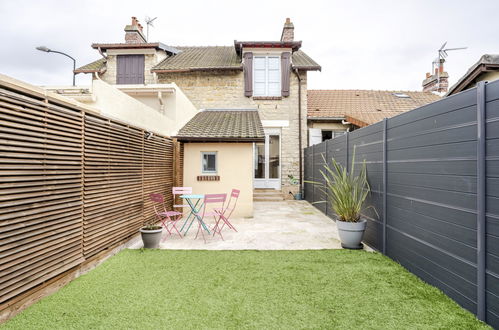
[(158, 198), (159, 205), (181, 190), (234, 194), (215, 198)]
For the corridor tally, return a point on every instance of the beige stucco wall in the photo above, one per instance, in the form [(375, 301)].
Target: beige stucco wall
[(489, 76), (235, 168), (115, 104), (225, 89)]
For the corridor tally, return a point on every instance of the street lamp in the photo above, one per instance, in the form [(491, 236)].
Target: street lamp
[(48, 50)]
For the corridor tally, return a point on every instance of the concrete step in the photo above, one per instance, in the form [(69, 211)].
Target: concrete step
[(267, 194), (268, 199)]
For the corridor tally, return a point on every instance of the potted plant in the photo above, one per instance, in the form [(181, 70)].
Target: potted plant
[(346, 193), (151, 235), (294, 182)]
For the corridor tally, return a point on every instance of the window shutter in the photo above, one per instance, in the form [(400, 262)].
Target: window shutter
[(285, 71), (314, 136), (248, 74)]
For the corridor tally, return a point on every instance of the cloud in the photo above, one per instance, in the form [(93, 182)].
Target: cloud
[(360, 44)]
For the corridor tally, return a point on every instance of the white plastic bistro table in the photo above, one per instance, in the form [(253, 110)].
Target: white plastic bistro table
[(190, 198)]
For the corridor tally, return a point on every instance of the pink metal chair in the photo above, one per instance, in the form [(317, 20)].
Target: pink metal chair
[(210, 211), (180, 191), (226, 213), (168, 219)]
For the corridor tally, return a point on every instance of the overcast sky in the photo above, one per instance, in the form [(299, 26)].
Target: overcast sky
[(359, 44)]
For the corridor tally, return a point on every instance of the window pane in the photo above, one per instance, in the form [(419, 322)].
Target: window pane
[(259, 76), (259, 62), (274, 76), (274, 89), (259, 89), (209, 163), (274, 63)]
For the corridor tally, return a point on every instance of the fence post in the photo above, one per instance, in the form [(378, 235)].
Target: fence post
[(326, 159), (481, 202), (313, 173), (384, 185), (346, 142)]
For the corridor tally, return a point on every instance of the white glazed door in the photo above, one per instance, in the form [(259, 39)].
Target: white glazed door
[(267, 160)]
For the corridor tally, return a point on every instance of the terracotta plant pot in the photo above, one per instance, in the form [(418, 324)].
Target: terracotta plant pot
[(351, 233), (151, 237)]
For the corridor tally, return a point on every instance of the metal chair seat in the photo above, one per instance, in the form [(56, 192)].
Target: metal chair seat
[(170, 213)]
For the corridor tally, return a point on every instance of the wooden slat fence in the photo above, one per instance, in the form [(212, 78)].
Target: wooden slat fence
[(72, 184)]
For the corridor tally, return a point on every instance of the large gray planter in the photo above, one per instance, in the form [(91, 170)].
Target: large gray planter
[(351, 233), (151, 238)]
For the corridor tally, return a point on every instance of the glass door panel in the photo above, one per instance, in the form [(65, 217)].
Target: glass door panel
[(259, 160), (274, 160)]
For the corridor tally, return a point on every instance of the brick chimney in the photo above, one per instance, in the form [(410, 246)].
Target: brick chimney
[(133, 32), (288, 31), (437, 81)]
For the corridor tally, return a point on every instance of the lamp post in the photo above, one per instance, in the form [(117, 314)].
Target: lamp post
[(48, 50)]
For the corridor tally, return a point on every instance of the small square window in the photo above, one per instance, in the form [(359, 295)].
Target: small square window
[(209, 162)]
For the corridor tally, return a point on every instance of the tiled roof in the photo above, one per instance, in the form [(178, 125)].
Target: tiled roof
[(304, 62), (363, 107), (204, 58), (201, 58), (223, 125), (95, 66)]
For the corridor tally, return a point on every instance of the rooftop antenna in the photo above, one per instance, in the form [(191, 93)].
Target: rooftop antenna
[(439, 61), (149, 22)]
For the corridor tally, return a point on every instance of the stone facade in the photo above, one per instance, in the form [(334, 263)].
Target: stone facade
[(225, 89), (150, 59)]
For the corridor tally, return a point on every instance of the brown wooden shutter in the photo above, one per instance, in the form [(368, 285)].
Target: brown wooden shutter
[(285, 71), (248, 74), (130, 69)]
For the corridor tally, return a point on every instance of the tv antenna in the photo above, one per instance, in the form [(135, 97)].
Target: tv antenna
[(439, 61), (149, 22)]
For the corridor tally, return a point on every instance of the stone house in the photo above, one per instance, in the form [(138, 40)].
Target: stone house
[(269, 77)]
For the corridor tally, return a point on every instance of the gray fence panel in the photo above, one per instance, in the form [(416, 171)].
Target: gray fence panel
[(431, 193), (319, 195), (492, 208)]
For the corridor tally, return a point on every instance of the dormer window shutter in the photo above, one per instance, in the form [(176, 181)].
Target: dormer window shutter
[(248, 74), (285, 72)]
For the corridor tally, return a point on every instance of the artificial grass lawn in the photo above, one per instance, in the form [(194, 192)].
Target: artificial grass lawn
[(158, 289)]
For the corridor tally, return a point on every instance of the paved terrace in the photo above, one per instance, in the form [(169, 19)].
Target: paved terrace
[(286, 225)]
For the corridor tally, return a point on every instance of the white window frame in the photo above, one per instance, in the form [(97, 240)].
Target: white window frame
[(216, 161), (266, 93)]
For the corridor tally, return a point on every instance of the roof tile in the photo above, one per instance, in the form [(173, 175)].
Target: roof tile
[(365, 106), (233, 125)]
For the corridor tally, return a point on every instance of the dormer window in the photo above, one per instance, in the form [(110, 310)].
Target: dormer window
[(266, 75), (130, 69)]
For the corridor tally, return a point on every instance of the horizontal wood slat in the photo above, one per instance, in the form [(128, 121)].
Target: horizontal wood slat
[(72, 184)]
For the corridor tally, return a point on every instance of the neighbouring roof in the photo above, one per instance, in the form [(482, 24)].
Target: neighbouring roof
[(223, 126), (363, 107), (95, 66), (488, 62)]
